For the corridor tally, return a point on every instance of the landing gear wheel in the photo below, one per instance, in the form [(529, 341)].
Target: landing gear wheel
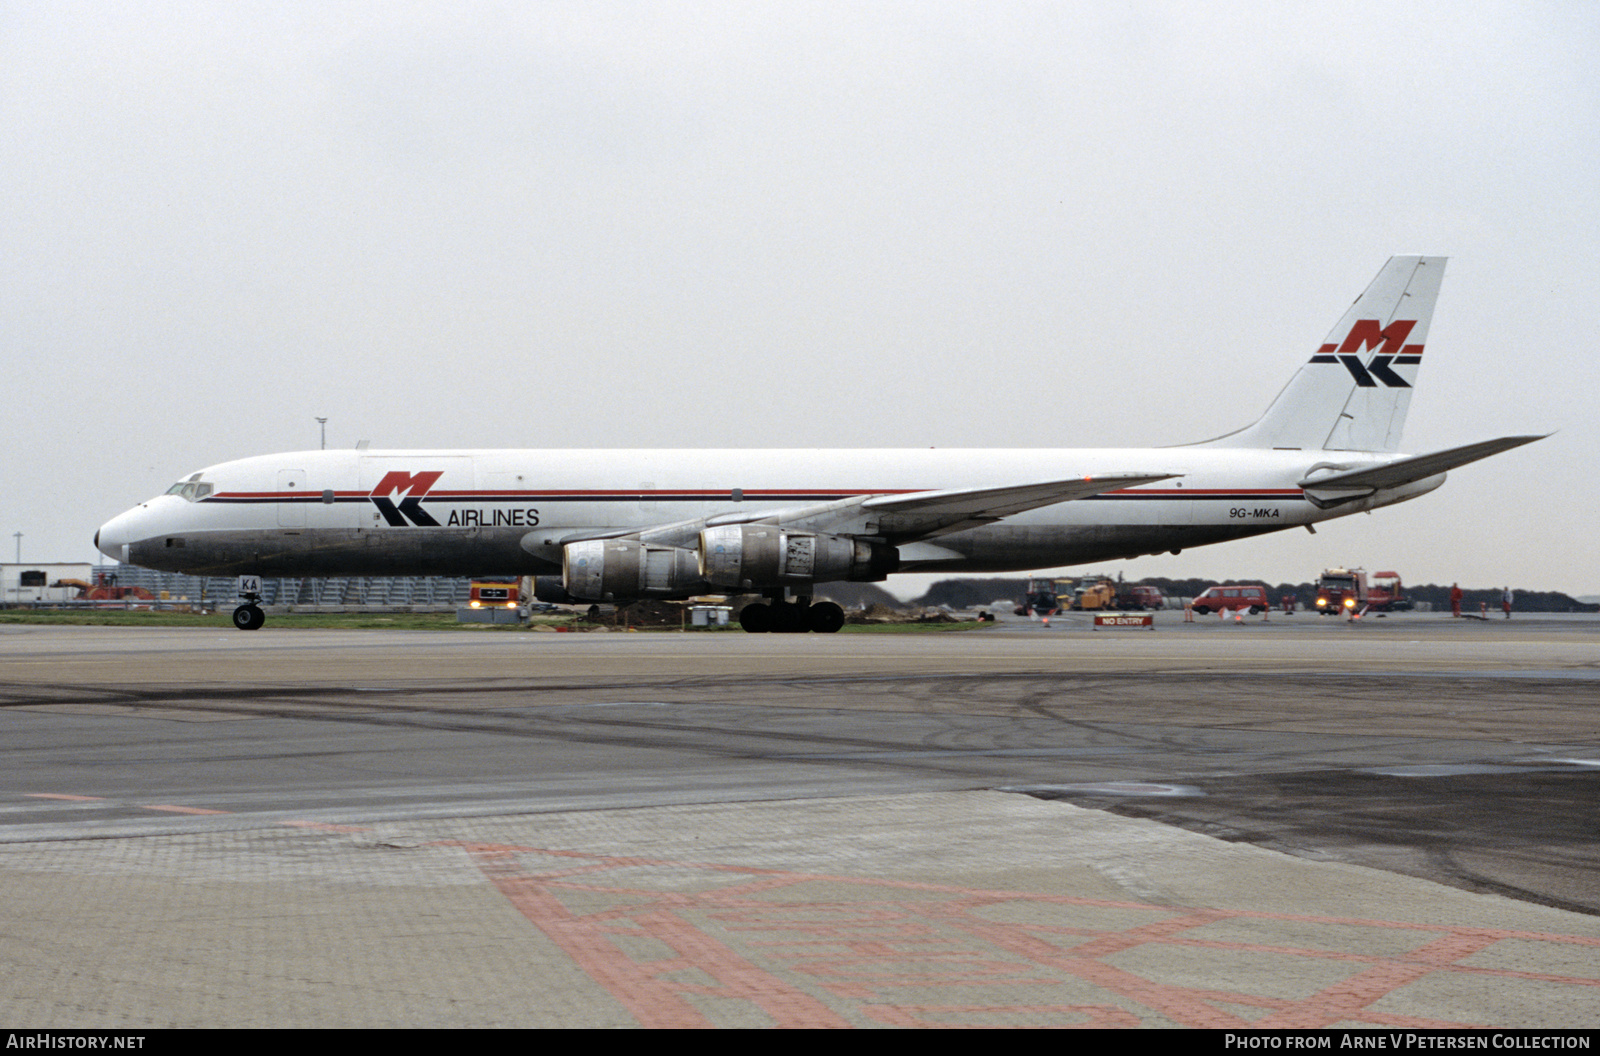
[(825, 617), (788, 618), (248, 618), (756, 618)]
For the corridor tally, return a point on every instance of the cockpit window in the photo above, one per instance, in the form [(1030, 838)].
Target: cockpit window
[(192, 490)]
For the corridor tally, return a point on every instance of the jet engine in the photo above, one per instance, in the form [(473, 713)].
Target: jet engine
[(624, 569), (762, 556)]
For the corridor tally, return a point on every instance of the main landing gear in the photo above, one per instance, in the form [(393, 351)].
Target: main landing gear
[(791, 617)]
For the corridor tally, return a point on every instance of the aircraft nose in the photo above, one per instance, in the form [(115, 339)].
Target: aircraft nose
[(103, 543), (114, 536)]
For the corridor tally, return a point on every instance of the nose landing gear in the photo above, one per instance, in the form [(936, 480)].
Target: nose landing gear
[(249, 617)]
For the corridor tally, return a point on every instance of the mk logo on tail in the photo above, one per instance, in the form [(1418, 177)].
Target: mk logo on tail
[(1368, 334), (414, 486)]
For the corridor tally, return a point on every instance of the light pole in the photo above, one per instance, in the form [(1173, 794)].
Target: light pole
[(324, 423), (19, 546)]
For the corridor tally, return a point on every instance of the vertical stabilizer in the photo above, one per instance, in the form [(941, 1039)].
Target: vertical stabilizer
[(1354, 393)]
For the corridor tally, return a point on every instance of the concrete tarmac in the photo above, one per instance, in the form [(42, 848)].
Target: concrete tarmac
[(1299, 823)]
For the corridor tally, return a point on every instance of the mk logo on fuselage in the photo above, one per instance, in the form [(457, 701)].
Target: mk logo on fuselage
[(1367, 333), (413, 486)]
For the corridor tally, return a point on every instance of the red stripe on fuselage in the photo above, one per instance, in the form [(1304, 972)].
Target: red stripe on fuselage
[(724, 494)]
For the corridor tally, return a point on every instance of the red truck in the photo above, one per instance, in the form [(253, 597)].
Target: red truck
[(1349, 590), (495, 593)]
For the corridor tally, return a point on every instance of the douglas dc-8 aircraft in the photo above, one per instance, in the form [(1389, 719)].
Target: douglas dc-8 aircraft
[(623, 525)]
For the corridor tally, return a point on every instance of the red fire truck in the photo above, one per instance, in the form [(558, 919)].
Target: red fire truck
[(1350, 590), (495, 594)]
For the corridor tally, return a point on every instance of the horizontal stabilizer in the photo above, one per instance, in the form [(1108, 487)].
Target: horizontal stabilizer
[(1417, 467)]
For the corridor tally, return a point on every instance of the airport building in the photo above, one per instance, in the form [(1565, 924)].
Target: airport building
[(46, 582), (106, 584)]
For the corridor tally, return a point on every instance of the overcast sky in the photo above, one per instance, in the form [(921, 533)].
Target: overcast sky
[(795, 224)]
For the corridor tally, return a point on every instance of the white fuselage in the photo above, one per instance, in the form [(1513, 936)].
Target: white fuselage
[(508, 511), (623, 525)]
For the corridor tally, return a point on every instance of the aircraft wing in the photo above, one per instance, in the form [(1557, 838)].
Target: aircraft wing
[(1368, 479), (899, 518), (925, 514)]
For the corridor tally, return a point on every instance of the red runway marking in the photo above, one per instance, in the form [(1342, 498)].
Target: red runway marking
[(883, 953), (986, 1017), (320, 826), (323, 826), (1347, 999), (645, 988)]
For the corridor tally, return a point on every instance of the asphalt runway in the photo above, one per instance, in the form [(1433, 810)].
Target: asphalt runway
[(1206, 825)]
